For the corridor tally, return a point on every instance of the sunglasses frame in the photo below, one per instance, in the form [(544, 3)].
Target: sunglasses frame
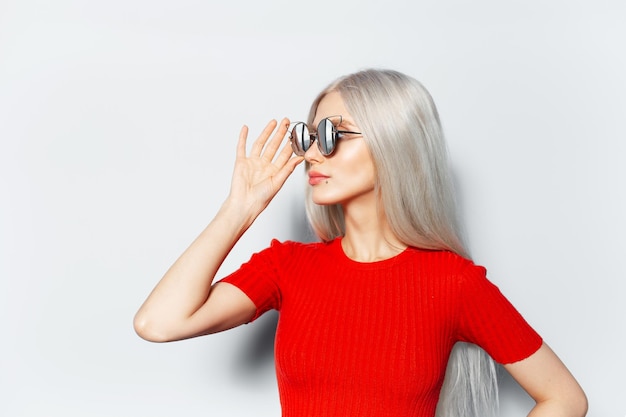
[(328, 147)]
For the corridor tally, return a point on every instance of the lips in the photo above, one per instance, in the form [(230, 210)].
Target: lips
[(317, 177)]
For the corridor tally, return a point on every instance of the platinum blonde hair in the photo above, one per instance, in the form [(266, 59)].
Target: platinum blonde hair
[(401, 127)]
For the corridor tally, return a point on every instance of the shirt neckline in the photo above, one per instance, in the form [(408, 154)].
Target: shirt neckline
[(345, 259)]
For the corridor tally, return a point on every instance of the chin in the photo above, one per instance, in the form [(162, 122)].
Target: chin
[(324, 200)]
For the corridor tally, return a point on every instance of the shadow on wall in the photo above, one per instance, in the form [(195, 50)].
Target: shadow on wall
[(513, 399), (254, 359)]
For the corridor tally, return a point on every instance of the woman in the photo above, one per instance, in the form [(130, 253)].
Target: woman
[(368, 316)]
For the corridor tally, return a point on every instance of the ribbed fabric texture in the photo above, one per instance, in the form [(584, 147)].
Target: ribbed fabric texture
[(373, 339)]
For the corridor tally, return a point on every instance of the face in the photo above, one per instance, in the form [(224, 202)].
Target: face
[(348, 175)]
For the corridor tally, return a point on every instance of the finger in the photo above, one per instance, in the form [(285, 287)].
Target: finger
[(241, 143), (284, 155), (258, 145), (274, 144), (287, 169)]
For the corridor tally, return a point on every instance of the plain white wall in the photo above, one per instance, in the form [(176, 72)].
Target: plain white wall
[(118, 123)]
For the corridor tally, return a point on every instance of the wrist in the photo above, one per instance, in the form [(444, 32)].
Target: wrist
[(237, 214)]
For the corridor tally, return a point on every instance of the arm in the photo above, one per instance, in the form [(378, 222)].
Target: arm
[(546, 379), (185, 303)]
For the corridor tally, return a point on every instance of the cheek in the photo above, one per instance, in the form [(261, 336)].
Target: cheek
[(357, 162)]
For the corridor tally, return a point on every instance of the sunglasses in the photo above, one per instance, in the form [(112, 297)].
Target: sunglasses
[(327, 136)]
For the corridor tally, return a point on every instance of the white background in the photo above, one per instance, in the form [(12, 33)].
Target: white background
[(118, 124)]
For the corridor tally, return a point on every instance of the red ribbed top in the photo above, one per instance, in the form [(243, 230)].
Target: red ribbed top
[(373, 339)]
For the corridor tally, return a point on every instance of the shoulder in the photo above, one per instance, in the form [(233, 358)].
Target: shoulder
[(446, 263), (454, 275), (293, 246), (289, 249)]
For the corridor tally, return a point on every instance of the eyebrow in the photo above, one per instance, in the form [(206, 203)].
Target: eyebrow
[(347, 123)]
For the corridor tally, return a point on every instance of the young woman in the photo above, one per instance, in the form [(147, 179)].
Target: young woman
[(369, 315)]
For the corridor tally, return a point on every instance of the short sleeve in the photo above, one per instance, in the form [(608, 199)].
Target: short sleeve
[(490, 321), (259, 278)]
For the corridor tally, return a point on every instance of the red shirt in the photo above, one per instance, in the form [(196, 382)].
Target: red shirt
[(373, 339)]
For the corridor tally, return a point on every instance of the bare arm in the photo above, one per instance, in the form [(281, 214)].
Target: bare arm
[(185, 303), (550, 384)]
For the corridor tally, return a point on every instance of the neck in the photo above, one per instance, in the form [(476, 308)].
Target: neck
[(368, 235)]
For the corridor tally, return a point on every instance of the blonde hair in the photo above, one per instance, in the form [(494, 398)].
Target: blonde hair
[(401, 127)]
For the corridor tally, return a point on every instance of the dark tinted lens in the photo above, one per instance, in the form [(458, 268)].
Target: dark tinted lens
[(326, 136), (300, 138)]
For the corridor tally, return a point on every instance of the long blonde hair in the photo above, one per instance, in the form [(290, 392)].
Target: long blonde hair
[(401, 127)]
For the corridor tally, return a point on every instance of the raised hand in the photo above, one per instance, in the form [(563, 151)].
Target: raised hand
[(184, 304), (257, 177)]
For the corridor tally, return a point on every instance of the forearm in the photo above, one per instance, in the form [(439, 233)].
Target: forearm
[(186, 286)]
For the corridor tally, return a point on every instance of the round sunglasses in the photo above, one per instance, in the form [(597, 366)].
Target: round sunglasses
[(327, 136)]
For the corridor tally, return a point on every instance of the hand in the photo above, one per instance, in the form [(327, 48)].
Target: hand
[(258, 177)]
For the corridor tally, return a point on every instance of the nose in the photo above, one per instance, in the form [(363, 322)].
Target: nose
[(313, 154)]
